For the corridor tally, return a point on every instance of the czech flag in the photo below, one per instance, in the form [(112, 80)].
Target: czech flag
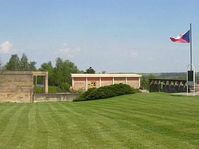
[(185, 38)]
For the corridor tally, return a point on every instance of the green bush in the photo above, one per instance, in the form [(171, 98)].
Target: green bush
[(106, 92), (84, 95), (64, 86), (51, 89), (38, 90)]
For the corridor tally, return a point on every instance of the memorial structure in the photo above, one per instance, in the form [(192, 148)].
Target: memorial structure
[(18, 86)]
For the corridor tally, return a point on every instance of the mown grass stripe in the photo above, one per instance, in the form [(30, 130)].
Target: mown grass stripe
[(131, 121), (53, 127), (135, 127), (5, 117), (90, 125), (41, 140), (31, 135), (11, 126), (71, 134), (115, 133), (116, 113), (21, 128), (99, 119)]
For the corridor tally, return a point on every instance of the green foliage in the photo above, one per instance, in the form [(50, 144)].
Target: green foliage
[(63, 70), (17, 64), (24, 65), (60, 75), (90, 70), (85, 94), (144, 83), (64, 86), (48, 67), (38, 90), (51, 89), (13, 63), (0, 65), (106, 92), (54, 89)]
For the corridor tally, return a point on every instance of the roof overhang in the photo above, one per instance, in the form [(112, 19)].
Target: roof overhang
[(105, 75)]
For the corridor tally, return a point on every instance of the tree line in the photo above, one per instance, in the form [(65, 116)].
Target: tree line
[(58, 75)]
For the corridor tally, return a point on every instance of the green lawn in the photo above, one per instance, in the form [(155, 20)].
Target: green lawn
[(131, 121)]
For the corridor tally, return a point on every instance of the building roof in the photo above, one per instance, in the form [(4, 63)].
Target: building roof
[(34, 73), (104, 75)]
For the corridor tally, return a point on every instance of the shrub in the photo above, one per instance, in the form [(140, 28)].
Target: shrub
[(38, 90), (64, 86), (106, 92), (51, 89), (84, 95)]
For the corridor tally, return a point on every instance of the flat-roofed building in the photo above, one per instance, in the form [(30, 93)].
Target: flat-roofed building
[(86, 81)]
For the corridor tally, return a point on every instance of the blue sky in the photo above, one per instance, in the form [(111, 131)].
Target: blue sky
[(109, 35)]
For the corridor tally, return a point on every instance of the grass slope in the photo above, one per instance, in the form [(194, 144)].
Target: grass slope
[(132, 121)]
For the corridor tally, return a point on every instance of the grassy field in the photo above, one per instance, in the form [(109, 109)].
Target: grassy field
[(131, 121)]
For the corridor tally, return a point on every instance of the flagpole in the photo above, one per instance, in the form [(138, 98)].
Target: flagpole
[(190, 36)]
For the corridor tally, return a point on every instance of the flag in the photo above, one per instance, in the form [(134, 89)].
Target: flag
[(185, 38)]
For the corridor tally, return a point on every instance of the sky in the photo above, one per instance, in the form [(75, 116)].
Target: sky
[(108, 35)]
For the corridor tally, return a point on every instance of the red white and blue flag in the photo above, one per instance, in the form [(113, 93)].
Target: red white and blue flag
[(185, 38)]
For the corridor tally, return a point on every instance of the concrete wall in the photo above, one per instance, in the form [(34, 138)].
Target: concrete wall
[(54, 97), (16, 86)]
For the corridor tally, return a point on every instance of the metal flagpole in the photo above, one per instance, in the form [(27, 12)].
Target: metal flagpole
[(190, 37), (192, 68)]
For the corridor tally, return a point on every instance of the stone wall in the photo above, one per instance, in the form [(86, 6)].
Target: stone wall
[(54, 97), (16, 86)]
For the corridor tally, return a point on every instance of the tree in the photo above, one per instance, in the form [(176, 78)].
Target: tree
[(13, 63), (63, 70), (60, 75), (22, 64), (32, 66), (145, 81), (90, 70), (0, 65), (48, 67)]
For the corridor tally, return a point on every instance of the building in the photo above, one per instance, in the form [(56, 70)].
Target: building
[(18, 86), (86, 81)]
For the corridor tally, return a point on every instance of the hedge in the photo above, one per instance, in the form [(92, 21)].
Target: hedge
[(106, 92)]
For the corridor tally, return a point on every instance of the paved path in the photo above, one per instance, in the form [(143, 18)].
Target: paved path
[(185, 94)]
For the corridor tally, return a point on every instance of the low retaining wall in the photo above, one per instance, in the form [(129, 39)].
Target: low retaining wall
[(54, 97)]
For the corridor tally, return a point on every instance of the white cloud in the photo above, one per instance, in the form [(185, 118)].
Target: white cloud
[(133, 53), (67, 51), (6, 47)]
